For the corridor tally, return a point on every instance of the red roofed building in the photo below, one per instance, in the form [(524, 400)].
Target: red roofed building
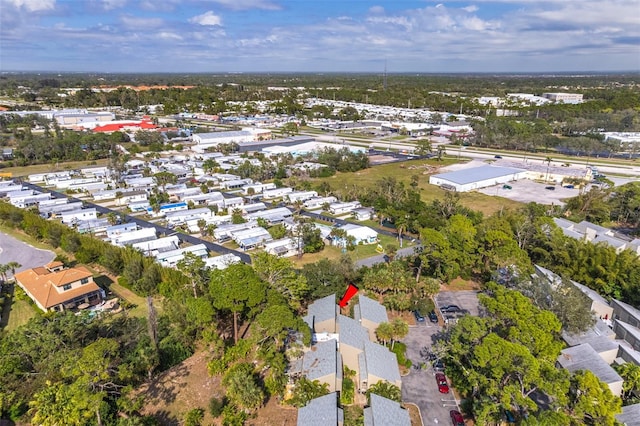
[(117, 126), (54, 288)]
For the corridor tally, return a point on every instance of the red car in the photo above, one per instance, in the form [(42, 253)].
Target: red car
[(456, 418), (443, 386)]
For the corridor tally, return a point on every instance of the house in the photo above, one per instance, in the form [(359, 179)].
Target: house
[(321, 315), (361, 234), (222, 261), (322, 411), (364, 213), (132, 237), (168, 208), (180, 217), (352, 339), (250, 208), (323, 363), (272, 217), (129, 197), (370, 314), (75, 216), (318, 202), (341, 208), (590, 232), (153, 247), (252, 238), (55, 210), (92, 226), (276, 193), (117, 230), (257, 188), (629, 416), (55, 288), (225, 232), (284, 247), (173, 257), (584, 357), (376, 363), (385, 412), (235, 184), (292, 197)]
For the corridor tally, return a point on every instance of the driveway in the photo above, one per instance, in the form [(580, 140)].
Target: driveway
[(419, 386), (13, 250), (467, 300)]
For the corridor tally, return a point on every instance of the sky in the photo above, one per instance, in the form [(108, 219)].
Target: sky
[(413, 36)]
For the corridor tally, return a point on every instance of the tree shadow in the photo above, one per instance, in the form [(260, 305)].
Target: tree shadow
[(8, 294), (103, 281), (164, 389), (165, 418)]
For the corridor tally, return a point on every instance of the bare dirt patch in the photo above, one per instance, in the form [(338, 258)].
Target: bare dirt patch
[(459, 284), (273, 414), (182, 388)]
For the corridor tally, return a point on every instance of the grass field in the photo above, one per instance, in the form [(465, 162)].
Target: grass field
[(403, 172), (17, 311), (45, 168)]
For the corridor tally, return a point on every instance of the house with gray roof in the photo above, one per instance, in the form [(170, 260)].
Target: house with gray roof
[(324, 364), (385, 412), (321, 315), (370, 314), (630, 415), (584, 357), (352, 339), (377, 363), (590, 232), (322, 411)]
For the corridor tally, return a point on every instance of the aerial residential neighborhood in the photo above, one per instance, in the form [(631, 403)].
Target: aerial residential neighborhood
[(348, 213)]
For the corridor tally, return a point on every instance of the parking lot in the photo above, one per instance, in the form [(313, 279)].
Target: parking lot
[(467, 301), (419, 386), (529, 191)]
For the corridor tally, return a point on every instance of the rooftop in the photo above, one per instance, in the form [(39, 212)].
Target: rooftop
[(321, 360), (385, 412), (371, 310), (379, 361), (322, 411), (465, 176), (321, 310), (584, 357)]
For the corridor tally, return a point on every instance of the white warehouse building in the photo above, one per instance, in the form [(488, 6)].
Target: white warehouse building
[(477, 177)]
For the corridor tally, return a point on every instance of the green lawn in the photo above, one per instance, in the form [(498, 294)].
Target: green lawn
[(17, 311), (46, 168)]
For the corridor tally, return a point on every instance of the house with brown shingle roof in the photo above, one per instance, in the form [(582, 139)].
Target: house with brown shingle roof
[(55, 288)]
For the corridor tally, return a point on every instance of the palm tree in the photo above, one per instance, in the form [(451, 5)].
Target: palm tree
[(548, 161), (401, 225), (12, 266)]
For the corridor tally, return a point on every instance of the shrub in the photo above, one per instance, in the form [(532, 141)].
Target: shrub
[(194, 417), (216, 406), (348, 391)]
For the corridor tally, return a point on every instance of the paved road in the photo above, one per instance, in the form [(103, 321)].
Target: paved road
[(419, 386), (370, 261), (13, 250)]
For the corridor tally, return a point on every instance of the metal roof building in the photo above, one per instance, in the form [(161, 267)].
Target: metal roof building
[(477, 177)]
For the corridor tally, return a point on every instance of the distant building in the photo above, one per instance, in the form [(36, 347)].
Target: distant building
[(564, 98), (476, 178)]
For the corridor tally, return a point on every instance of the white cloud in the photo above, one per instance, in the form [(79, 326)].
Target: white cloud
[(248, 4), (113, 4), (32, 5), (135, 22), (207, 18), (471, 8)]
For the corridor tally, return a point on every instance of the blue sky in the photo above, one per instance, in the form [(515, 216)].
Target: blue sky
[(190, 36)]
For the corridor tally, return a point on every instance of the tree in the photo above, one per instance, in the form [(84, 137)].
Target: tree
[(194, 268), (165, 178), (237, 217), (630, 373), (273, 324), (400, 329), (236, 289), (305, 390), (591, 400), (386, 390), (281, 275), (384, 332), (242, 387)]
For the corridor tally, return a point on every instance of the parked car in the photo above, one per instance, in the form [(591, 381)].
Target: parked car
[(438, 365), (508, 415), (505, 186), (550, 188), (441, 380), (433, 317), (418, 316), (569, 186), (450, 309), (497, 156), (456, 418)]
